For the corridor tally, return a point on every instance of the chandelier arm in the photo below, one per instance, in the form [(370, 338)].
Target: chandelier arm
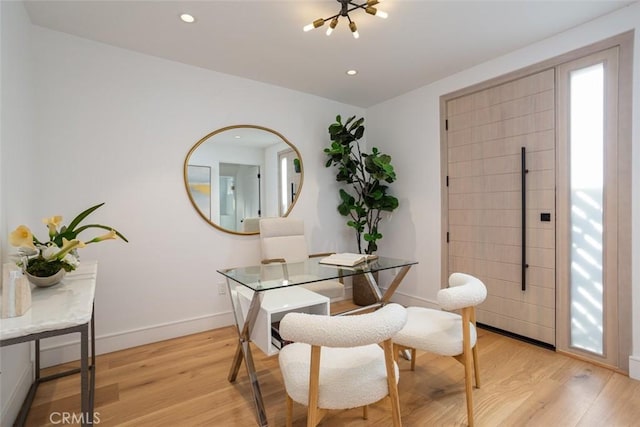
[(337, 15), (362, 6)]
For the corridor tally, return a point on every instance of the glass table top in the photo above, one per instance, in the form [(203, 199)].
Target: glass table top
[(280, 275)]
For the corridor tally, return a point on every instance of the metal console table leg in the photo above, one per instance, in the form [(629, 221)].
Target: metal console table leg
[(87, 386)]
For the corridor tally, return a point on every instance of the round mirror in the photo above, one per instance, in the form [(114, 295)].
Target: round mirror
[(238, 174)]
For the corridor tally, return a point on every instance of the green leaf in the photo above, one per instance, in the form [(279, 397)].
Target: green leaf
[(361, 212), (389, 203), (376, 195), (359, 133), (349, 120), (356, 225), (104, 227), (344, 209), (335, 128), (82, 216), (372, 236), (357, 124), (346, 197)]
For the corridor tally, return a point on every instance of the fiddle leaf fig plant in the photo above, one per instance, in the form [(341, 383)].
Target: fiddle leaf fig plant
[(366, 174)]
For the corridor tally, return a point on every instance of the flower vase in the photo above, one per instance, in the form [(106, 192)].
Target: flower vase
[(45, 282)]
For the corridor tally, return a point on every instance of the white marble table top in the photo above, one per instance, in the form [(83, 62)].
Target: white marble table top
[(61, 306)]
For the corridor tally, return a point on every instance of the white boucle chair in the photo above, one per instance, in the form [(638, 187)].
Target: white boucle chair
[(283, 240), (445, 333), (335, 362)]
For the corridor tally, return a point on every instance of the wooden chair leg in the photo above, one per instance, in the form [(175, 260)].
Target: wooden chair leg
[(365, 412), (392, 384), (314, 381), (476, 365), (413, 359), (467, 356), (289, 411), (468, 387)]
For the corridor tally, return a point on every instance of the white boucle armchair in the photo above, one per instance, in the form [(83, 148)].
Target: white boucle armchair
[(335, 362), (446, 333)]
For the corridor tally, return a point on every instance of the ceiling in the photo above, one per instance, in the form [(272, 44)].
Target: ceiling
[(421, 41)]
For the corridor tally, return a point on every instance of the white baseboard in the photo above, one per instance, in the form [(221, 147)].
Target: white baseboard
[(66, 351), (11, 405), (70, 350), (634, 367), (413, 301)]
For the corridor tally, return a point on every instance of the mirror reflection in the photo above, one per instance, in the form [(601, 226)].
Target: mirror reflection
[(238, 174)]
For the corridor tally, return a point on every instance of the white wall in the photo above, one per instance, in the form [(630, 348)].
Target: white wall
[(408, 128), (115, 126), (16, 178)]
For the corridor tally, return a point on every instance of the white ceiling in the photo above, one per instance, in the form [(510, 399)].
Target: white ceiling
[(421, 41)]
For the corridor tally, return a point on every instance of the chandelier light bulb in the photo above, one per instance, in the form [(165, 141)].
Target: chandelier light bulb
[(354, 30), (315, 24), (376, 12), (332, 25)]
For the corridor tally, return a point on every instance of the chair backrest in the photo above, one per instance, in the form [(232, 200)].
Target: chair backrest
[(283, 238), (464, 291), (344, 331)]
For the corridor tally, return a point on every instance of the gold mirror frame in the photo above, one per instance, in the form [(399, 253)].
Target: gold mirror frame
[(262, 192)]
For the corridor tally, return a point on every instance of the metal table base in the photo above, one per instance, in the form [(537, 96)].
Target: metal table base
[(86, 370), (243, 349)]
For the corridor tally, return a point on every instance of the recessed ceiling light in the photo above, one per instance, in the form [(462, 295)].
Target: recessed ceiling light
[(187, 18), (237, 137), (352, 72)]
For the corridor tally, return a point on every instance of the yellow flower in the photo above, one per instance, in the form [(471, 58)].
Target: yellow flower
[(110, 235), (72, 244), (54, 252), (53, 223), (22, 237)]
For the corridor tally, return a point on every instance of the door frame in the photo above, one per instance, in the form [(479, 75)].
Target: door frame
[(624, 42)]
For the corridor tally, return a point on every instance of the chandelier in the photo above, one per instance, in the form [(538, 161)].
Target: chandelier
[(347, 6)]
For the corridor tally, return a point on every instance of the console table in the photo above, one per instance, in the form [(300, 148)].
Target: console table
[(58, 310), (247, 288)]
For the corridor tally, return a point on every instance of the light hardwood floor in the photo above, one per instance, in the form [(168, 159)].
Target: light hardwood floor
[(183, 382)]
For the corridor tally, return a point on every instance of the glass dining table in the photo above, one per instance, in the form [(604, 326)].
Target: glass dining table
[(264, 293)]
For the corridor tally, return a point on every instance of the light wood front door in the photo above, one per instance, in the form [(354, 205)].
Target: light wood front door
[(500, 141), (556, 262)]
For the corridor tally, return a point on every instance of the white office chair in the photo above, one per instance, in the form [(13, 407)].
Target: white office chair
[(445, 333), (283, 240), (335, 362)]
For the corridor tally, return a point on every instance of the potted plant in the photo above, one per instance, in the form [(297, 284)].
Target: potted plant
[(366, 175), (46, 262)]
